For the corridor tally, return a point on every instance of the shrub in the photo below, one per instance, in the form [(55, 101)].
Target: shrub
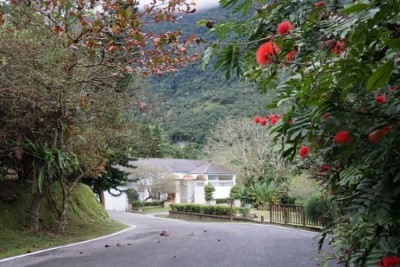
[(316, 207), (132, 195), (208, 192), (154, 203), (243, 211), (137, 204), (236, 192), (203, 209), (222, 200)]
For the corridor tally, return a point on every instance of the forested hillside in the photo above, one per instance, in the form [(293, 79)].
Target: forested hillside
[(188, 103)]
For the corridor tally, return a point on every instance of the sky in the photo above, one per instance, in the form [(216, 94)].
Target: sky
[(201, 5)]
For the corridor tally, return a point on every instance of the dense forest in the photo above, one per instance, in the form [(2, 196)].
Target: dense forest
[(188, 103)]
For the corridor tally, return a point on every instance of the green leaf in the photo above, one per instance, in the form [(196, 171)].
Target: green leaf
[(393, 43), (380, 76), (202, 22), (42, 174), (208, 53), (355, 8)]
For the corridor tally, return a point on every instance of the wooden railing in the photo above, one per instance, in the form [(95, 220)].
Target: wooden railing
[(292, 214)]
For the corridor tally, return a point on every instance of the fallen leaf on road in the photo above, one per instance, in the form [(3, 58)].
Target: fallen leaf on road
[(164, 233), (106, 246), (129, 244)]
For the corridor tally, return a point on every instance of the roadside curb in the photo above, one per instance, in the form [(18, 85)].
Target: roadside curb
[(69, 245)]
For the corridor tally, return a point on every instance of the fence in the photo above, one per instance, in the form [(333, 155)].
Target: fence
[(292, 214)]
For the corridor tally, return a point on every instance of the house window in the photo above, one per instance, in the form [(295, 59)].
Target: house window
[(220, 177)]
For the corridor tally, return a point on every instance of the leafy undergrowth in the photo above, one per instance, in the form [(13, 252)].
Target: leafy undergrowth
[(86, 219)]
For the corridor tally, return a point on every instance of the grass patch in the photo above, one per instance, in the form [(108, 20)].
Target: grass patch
[(155, 210), (260, 213), (86, 219)]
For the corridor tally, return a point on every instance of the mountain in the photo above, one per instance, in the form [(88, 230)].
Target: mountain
[(188, 103)]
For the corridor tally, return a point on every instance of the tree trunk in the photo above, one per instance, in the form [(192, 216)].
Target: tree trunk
[(35, 211), (63, 217), (100, 190)]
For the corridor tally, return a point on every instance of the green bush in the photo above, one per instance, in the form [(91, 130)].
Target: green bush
[(208, 192), (137, 204), (243, 211), (154, 203), (237, 192), (222, 200), (316, 207), (203, 209)]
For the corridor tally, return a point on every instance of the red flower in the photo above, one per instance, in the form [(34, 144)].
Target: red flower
[(389, 261), (342, 137), (324, 168), (319, 4), (303, 151), (375, 135), (392, 88), (325, 116), (265, 52), (263, 122), (257, 119), (291, 56), (338, 48), (273, 121), (57, 29), (380, 99), (284, 27)]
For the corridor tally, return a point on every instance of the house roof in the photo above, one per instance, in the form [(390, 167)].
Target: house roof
[(183, 165), (211, 168)]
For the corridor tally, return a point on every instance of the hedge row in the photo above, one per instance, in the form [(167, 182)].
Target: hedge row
[(207, 209), (138, 203)]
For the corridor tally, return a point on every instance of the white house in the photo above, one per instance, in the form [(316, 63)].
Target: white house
[(190, 177)]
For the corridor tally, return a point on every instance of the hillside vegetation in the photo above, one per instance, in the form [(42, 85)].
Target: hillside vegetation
[(86, 219)]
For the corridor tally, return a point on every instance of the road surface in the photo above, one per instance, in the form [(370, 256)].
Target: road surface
[(162, 242)]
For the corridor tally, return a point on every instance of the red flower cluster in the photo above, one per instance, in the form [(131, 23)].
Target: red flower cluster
[(284, 27), (338, 48), (375, 135), (393, 88), (319, 4), (389, 261), (343, 137), (303, 151), (266, 51), (291, 55), (380, 99), (273, 119), (260, 120)]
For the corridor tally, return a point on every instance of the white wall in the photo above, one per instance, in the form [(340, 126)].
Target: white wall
[(119, 203), (199, 192)]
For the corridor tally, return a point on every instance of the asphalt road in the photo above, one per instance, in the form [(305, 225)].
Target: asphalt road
[(186, 244)]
